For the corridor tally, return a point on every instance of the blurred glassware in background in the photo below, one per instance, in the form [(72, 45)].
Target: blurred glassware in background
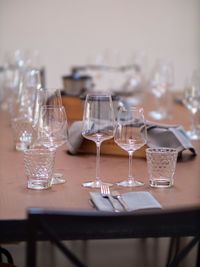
[(192, 102), (23, 109), (10, 82), (76, 84), (161, 82), (112, 74), (23, 132), (15, 64)]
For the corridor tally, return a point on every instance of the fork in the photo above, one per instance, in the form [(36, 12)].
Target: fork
[(105, 192)]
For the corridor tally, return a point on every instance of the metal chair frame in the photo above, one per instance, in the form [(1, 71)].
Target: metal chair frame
[(58, 225)]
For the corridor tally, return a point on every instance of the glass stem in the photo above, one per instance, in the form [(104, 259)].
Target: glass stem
[(156, 103), (98, 144), (130, 171), (192, 127)]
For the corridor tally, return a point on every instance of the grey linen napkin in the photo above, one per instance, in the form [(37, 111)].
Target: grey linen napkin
[(135, 201), (164, 135), (75, 137), (158, 135)]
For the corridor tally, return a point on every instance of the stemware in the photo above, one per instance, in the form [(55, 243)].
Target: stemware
[(22, 110), (52, 97), (161, 80), (98, 126), (192, 101), (53, 130), (130, 135)]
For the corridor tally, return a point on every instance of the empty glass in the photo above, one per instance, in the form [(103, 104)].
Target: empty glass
[(130, 135), (39, 165), (192, 102), (161, 81), (53, 130), (22, 109), (161, 164), (98, 126)]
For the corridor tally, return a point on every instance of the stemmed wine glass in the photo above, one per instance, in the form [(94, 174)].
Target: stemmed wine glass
[(130, 135), (53, 98), (53, 130), (98, 126), (192, 101), (161, 81)]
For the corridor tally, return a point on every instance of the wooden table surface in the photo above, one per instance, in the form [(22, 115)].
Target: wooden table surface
[(15, 198)]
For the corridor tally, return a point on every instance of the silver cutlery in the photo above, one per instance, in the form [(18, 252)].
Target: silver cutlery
[(117, 195), (105, 192)]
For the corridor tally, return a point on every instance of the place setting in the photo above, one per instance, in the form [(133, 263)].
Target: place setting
[(129, 129)]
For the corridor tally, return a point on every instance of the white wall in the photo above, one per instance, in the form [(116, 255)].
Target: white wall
[(67, 32)]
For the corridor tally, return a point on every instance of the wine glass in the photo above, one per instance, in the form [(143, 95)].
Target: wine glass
[(161, 81), (130, 135), (192, 101), (98, 126), (53, 130), (53, 98)]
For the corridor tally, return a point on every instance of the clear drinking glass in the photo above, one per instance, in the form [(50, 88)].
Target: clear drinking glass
[(53, 130), (192, 102), (161, 164), (39, 165), (130, 135), (98, 126)]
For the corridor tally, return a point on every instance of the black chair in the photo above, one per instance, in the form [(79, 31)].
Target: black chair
[(58, 225), (4, 252)]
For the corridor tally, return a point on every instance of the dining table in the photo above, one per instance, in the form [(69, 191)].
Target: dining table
[(16, 199)]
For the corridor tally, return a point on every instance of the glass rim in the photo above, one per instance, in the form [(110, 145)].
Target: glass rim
[(52, 107), (98, 93), (40, 150), (161, 150), (124, 109)]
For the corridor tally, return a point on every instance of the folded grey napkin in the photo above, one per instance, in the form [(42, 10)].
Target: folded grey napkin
[(158, 135), (164, 135), (75, 137), (134, 200)]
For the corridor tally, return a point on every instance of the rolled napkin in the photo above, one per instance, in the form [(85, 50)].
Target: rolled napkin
[(135, 201), (158, 135)]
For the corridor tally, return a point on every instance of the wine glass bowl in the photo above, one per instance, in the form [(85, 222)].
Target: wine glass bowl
[(98, 126), (130, 135), (53, 126)]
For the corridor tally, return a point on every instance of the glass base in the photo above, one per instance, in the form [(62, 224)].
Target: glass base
[(20, 146), (130, 183), (161, 183), (57, 178), (157, 115), (193, 135), (39, 184), (95, 184)]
